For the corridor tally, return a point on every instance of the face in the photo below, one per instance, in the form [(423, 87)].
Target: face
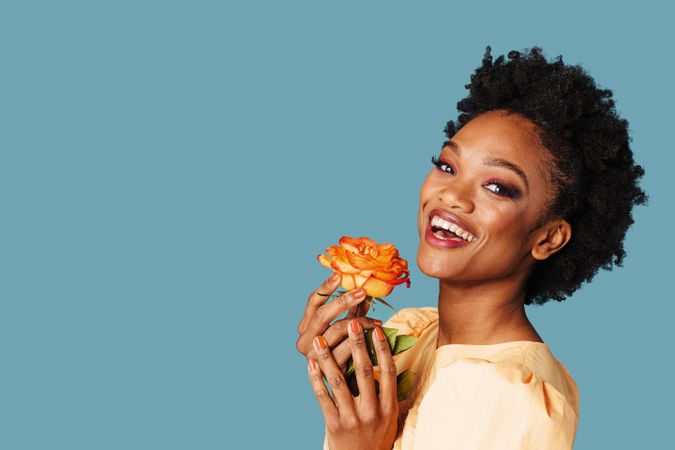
[(498, 202)]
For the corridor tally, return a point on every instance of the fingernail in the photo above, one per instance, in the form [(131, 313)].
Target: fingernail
[(377, 322), (379, 334), (359, 294), (354, 326), (312, 365), (319, 343), (334, 277)]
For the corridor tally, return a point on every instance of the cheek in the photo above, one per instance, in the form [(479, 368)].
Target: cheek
[(505, 225), (425, 195), (508, 231)]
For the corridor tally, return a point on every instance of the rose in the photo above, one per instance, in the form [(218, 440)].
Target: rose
[(363, 263)]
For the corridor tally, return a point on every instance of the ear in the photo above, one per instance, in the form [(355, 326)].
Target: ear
[(551, 238)]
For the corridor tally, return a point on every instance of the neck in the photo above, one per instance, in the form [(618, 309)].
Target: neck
[(484, 313)]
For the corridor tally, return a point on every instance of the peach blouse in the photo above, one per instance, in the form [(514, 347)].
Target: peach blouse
[(506, 396)]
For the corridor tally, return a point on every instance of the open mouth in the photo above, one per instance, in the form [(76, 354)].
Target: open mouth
[(439, 237), (444, 229), (444, 234)]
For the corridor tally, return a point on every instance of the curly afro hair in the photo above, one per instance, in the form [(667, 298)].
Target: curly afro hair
[(589, 146)]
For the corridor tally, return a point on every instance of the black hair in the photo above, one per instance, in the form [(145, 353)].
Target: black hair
[(591, 164)]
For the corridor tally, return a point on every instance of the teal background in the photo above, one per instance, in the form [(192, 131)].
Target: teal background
[(170, 170)]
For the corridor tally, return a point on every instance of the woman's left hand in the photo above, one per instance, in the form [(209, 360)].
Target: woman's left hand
[(366, 422)]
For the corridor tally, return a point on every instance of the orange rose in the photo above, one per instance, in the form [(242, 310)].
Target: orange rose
[(362, 262)]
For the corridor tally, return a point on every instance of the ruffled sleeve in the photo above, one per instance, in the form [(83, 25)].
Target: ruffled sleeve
[(475, 404)]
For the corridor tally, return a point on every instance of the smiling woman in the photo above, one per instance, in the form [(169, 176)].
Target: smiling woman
[(482, 183), (516, 210)]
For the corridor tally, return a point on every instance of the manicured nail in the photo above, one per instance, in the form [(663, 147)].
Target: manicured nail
[(379, 334), (319, 343), (354, 326), (377, 322), (312, 365), (334, 277), (359, 294)]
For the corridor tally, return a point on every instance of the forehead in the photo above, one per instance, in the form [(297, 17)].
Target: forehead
[(508, 136)]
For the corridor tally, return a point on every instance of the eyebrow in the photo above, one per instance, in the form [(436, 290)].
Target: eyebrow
[(495, 162)]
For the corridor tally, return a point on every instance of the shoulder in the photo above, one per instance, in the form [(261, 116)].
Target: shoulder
[(497, 398), (521, 366)]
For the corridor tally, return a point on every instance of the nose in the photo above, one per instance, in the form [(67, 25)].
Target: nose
[(458, 196)]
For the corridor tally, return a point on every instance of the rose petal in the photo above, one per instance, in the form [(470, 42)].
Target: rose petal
[(348, 282), (343, 266), (325, 261), (377, 288)]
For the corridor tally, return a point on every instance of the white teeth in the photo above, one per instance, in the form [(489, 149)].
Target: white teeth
[(452, 227)]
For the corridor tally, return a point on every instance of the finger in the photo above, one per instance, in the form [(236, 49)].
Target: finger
[(315, 300), (364, 307), (353, 311), (361, 309), (388, 399), (338, 332), (330, 412), (362, 366), (325, 314), (342, 396), (336, 337), (342, 352)]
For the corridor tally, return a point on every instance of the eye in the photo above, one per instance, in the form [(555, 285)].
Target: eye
[(503, 189), (442, 165), (500, 188)]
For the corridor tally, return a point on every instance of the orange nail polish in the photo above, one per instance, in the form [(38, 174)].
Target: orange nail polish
[(312, 364), (320, 343), (379, 334)]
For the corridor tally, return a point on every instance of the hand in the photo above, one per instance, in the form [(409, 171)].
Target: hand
[(318, 315), (369, 421)]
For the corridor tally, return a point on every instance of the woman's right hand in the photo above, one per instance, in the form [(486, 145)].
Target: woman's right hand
[(319, 315)]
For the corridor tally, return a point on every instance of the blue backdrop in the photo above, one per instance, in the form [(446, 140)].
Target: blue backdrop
[(170, 171)]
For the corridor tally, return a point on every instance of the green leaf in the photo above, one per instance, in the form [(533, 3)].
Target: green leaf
[(368, 335), (350, 366), (390, 333), (404, 383), (403, 343)]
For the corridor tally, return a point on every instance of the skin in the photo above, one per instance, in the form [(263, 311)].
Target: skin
[(481, 284)]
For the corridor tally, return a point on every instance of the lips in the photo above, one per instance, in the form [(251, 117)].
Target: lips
[(451, 218)]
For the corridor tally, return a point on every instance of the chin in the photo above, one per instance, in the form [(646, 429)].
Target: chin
[(432, 265)]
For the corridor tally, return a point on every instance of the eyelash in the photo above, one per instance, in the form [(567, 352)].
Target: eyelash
[(506, 190)]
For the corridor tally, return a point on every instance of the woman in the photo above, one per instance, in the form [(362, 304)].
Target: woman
[(531, 194)]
